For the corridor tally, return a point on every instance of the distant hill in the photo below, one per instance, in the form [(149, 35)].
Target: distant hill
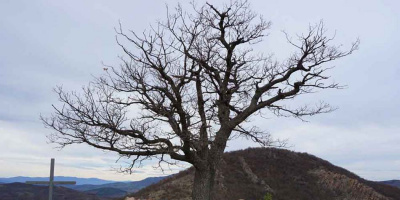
[(79, 181), (252, 173), (120, 188), (107, 192), (129, 187), (21, 191), (395, 183)]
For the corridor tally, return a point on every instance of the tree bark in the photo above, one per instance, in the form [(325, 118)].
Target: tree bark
[(202, 185), (205, 183)]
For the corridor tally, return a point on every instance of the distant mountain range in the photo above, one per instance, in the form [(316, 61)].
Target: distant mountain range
[(79, 181), (94, 186), (395, 183), (116, 189), (129, 187)]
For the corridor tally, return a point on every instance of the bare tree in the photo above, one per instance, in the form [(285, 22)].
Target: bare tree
[(196, 81)]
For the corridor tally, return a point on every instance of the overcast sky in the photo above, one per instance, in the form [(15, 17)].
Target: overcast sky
[(49, 43)]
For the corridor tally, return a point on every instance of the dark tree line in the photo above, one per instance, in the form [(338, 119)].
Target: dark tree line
[(191, 83)]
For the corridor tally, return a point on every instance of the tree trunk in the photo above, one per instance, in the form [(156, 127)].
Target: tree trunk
[(202, 184)]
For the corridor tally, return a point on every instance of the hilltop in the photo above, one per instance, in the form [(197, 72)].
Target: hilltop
[(252, 173)]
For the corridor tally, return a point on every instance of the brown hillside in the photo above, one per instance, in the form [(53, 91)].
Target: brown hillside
[(250, 174)]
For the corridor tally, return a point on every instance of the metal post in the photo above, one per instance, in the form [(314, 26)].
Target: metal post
[(51, 179), (51, 183)]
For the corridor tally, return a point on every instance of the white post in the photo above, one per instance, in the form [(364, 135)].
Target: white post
[(51, 179)]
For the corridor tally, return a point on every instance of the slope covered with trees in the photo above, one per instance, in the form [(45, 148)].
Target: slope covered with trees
[(255, 172), (21, 191)]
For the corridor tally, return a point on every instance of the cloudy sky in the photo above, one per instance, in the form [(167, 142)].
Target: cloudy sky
[(49, 43)]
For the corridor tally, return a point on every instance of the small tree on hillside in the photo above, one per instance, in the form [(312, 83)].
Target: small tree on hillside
[(196, 82)]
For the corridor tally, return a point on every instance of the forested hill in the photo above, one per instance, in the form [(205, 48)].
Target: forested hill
[(252, 173), (21, 191)]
